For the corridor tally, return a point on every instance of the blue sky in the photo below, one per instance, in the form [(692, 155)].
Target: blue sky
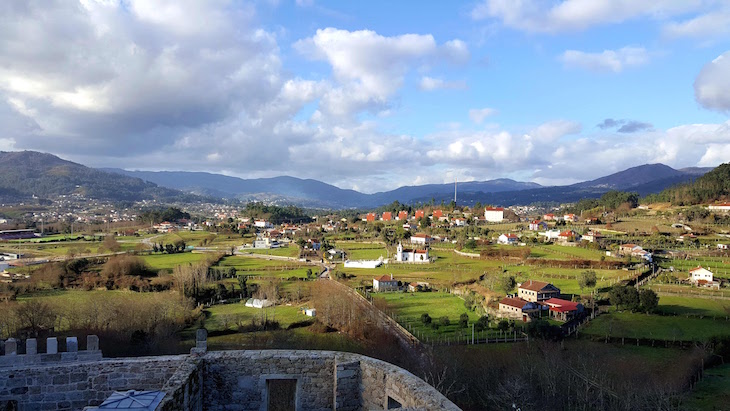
[(369, 95)]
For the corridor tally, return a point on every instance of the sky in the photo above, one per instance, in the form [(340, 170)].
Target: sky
[(369, 95)]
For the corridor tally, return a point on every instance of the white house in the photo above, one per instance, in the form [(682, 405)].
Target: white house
[(570, 217), (421, 238), (722, 246), (508, 239), (385, 283), (494, 215), (700, 276), (551, 235), (411, 256), (263, 224), (265, 242), (719, 207)]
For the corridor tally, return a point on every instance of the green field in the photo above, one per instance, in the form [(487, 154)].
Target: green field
[(363, 251), (694, 306), (291, 251), (712, 392), (170, 261), (408, 307), (670, 328), (285, 315), (245, 263)]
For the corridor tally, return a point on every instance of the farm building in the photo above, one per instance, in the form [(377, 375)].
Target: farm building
[(508, 239), (563, 310), (535, 291)]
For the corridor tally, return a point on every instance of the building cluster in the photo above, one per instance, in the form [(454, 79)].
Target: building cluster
[(386, 283), (537, 299), (457, 219)]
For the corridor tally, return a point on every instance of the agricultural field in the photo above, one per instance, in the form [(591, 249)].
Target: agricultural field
[(169, 261), (407, 309), (247, 263), (363, 251), (669, 328), (224, 316), (686, 306), (291, 251)]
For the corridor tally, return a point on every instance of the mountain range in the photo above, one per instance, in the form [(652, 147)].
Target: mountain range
[(645, 179), (27, 173)]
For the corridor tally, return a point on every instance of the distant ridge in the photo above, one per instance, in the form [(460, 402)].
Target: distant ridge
[(24, 174), (310, 192), (645, 179)]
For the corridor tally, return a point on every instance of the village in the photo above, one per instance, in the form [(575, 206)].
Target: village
[(440, 275)]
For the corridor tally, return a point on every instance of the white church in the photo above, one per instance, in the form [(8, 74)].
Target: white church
[(411, 256)]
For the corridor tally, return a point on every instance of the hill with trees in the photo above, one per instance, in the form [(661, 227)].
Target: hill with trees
[(24, 174), (711, 187)]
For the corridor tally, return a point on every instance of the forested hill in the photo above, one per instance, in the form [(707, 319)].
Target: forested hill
[(711, 187), (27, 173)]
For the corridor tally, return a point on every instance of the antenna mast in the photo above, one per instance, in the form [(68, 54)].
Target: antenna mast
[(455, 180)]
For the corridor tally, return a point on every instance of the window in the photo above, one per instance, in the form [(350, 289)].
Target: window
[(282, 394)]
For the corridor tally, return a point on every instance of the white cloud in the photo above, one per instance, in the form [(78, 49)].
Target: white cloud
[(608, 60), (712, 85), (477, 115), (429, 84), (369, 68), (714, 24), (554, 130), (575, 15)]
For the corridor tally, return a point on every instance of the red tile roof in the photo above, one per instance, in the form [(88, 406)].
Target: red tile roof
[(385, 278), (561, 306), (513, 302), (494, 209), (533, 285)]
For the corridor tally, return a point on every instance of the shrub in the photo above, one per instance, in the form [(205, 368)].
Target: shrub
[(425, 318)]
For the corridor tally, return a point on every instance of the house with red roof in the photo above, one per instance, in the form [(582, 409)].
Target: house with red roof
[(537, 225), (519, 309), (725, 207), (564, 310), (412, 256), (370, 217), (509, 239), (419, 214), (387, 216), (402, 216)]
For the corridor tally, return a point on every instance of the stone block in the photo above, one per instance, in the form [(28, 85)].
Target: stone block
[(52, 345), (72, 344), (92, 343), (11, 347), (31, 346)]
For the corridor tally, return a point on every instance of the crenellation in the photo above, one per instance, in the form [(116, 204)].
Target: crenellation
[(227, 380)]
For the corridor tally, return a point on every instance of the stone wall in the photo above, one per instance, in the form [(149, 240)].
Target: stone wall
[(225, 380), (236, 380), (326, 380), (74, 385)]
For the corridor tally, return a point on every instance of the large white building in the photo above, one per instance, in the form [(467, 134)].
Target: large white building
[(411, 256), (494, 215)]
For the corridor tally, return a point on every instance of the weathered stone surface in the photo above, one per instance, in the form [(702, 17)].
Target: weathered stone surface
[(72, 344), (92, 343), (11, 347), (231, 380), (52, 345), (31, 346)]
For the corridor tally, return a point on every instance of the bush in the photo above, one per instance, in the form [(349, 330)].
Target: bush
[(444, 321), (464, 320), (482, 323), (425, 318)]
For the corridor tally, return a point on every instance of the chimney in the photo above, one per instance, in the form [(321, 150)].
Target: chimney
[(391, 277)]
